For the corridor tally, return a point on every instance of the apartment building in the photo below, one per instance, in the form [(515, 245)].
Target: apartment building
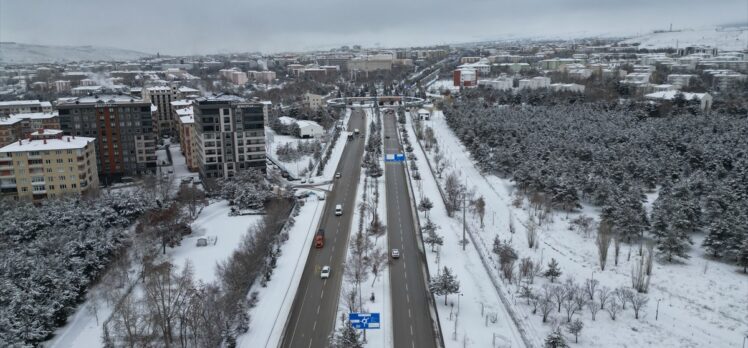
[(313, 101), (230, 135), (123, 128), (48, 165), (161, 97), (8, 108), (19, 126), (188, 137)]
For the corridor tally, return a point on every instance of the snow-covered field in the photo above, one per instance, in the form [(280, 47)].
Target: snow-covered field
[(702, 303), (275, 140), (725, 40), (479, 302), (440, 86)]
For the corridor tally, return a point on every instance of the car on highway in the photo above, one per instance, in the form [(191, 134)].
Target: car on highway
[(325, 273), (339, 209), (395, 253), (337, 175), (386, 136)]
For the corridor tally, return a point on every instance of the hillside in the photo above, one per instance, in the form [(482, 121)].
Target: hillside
[(19, 53), (732, 39)]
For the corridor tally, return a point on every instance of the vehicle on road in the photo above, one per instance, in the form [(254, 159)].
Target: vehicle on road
[(311, 180), (339, 209), (321, 196), (303, 180), (337, 175), (356, 131), (395, 253), (386, 136), (350, 136), (325, 273), (319, 238)]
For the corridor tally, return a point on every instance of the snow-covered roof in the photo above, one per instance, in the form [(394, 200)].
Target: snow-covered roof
[(154, 108), (669, 95), (158, 88), (36, 115), (185, 89), (21, 102), (287, 120), (65, 143), (304, 123), (93, 99), (184, 111), (181, 103), (46, 132), (423, 111)]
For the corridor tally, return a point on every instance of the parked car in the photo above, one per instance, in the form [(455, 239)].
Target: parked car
[(325, 273), (337, 175), (395, 253)]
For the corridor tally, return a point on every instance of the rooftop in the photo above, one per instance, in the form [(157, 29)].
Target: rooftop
[(65, 143), (104, 99)]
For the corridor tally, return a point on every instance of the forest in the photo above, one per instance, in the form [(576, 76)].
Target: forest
[(51, 253), (611, 155)]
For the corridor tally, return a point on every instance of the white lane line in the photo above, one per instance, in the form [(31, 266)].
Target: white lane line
[(310, 343), (318, 309), (409, 316), (407, 296), (315, 326), (322, 294)]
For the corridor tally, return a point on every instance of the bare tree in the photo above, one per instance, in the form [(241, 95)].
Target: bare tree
[(166, 293), (377, 260), (454, 192), (129, 321), (531, 231), (590, 287), (604, 235), (594, 307), (603, 294), (639, 277), (559, 294), (638, 301), (570, 306), (623, 295), (525, 268), (613, 308), (585, 224), (546, 306), (616, 248)]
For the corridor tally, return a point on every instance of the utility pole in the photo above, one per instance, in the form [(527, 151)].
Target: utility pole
[(657, 313), (464, 214)]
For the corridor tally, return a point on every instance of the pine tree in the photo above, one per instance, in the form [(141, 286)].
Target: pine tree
[(556, 339), (347, 337), (553, 270), (743, 255), (718, 235), (445, 284), (432, 238)]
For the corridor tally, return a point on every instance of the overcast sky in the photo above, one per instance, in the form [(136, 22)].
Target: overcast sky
[(219, 26)]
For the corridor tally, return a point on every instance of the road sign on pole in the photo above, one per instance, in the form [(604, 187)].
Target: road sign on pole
[(364, 320)]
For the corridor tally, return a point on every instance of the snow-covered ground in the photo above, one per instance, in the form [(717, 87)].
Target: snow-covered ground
[(275, 140), (440, 86), (478, 301), (724, 39), (213, 221), (702, 303), (276, 299)]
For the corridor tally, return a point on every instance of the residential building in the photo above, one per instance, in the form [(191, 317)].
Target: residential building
[(465, 78), (48, 165), (567, 87), (313, 101), (262, 76), (535, 83), (704, 99), (230, 135), (23, 107), (680, 80), (188, 137), (161, 97), (62, 86), (123, 128), (369, 63), (501, 84), (19, 126), (234, 76)]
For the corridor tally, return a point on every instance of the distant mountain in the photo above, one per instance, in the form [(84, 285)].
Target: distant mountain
[(19, 53), (725, 38)]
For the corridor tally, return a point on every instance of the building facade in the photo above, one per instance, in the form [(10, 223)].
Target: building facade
[(8, 108), (48, 165), (19, 126), (230, 135), (188, 137), (123, 128), (161, 97)]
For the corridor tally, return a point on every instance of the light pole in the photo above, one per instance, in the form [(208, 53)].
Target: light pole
[(458, 303), (657, 314)]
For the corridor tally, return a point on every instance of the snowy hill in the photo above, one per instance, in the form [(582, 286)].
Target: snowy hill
[(19, 53), (729, 39)]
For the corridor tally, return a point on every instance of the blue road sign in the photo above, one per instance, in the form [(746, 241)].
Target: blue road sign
[(394, 157), (364, 320)]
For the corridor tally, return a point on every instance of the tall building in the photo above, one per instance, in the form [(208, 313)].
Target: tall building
[(161, 97), (123, 128), (187, 137), (48, 165), (230, 135)]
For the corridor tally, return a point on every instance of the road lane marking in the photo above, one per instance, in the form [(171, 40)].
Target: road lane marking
[(409, 316)]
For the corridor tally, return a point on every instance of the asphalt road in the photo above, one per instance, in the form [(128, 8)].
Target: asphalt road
[(412, 324), (315, 306)]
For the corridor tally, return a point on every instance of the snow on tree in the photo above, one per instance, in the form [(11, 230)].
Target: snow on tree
[(445, 283), (432, 238), (553, 271), (575, 328), (346, 337), (555, 339)]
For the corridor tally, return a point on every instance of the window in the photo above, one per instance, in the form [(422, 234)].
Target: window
[(72, 186), (51, 187), (61, 177), (63, 186)]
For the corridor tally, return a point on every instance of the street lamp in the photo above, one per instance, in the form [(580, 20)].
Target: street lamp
[(657, 314), (458, 303)]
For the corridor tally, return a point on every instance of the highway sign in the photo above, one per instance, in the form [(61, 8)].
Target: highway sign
[(364, 320), (394, 157)]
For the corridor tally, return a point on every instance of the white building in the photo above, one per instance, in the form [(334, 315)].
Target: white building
[(313, 101), (62, 86), (24, 107), (502, 83), (705, 99), (310, 129), (680, 80), (535, 83), (567, 87)]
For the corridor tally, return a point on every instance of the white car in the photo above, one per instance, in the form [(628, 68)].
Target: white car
[(395, 253), (303, 180), (325, 273), (337, 175), (311, 180)]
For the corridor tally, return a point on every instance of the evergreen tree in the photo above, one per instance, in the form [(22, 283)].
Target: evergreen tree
[(553, 270), (556, 339), (347, 337), (432, 238), (719, 234), (743, 254), (445, 284)]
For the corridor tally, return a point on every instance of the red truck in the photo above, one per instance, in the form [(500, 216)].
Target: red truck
[(319, 239)]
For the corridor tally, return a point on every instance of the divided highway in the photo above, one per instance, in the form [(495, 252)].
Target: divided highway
[(412, 322), (315, 306)]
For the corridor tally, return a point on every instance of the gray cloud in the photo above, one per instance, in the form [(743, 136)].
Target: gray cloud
[(196, 26)]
